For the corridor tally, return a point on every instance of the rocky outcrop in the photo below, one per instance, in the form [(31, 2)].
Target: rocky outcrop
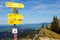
[(40, 34)]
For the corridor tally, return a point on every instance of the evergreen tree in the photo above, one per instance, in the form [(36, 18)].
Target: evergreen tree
[(55, 25), (40, 29), (42, 26)]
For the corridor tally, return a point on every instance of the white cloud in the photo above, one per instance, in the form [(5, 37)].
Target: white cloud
[(2, 6), (47, 8), (3, 21)]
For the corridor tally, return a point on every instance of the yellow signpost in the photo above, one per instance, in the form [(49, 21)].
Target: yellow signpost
[(19, 21), (15, 16), (14, 5)]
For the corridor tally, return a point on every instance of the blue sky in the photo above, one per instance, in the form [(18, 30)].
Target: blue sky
[(35, 11)]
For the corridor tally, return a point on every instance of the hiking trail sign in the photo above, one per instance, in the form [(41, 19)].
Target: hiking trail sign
[(14, 5), (18, 21), (15, 18), (14, 30)]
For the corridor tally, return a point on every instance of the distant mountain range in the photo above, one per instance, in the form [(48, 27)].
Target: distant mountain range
[(23, 26), (24, 29)]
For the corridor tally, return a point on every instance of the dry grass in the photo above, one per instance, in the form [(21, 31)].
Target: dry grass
[(51, 34)]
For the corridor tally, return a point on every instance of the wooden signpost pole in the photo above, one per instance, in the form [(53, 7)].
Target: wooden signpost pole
[(15, 34)]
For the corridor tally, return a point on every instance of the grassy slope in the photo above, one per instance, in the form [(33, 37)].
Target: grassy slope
[(49, 33)]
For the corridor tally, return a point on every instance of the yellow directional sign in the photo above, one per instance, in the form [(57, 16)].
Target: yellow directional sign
[(14, 21), (14, 5), (15, 16)]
